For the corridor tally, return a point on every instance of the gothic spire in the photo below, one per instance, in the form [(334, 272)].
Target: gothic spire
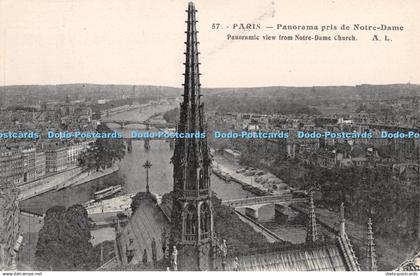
[(192, 211), (311, 231), (191, 102), (370, 250), (345, 243), (190, 154)]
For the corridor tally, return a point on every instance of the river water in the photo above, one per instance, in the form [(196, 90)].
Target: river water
[(131, 169), (160, 177)]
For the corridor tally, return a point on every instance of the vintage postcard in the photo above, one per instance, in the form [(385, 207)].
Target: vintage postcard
[(235, 135)]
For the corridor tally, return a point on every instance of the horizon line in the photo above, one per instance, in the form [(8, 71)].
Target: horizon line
[(216, 87)]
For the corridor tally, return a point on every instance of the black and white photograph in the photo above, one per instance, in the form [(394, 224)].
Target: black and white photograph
[(238, 135)]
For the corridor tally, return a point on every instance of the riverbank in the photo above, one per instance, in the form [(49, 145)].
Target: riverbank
[(46, 183), (229, 171), (57, 182), (120, 109)]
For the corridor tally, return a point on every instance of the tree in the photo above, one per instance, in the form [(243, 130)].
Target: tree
[(171, 116), (137, 199), (103, 153), (64, 240)]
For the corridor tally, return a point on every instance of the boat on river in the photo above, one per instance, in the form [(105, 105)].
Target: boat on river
[(223, 175), (107, 192)]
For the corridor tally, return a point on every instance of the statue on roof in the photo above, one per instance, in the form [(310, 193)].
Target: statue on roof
[(174, 258), (236, 264), (154, 253)]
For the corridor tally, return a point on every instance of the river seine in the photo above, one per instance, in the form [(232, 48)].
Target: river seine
[(160, 174), (160, 177)]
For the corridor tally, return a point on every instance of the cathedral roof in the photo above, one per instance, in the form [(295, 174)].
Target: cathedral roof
[(322, 257), (146, 224)]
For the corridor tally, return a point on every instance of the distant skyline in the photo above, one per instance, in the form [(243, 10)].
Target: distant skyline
[(216, 87), (141, 42)]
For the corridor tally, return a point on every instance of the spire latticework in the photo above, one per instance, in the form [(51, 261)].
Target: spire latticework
[(311, 232), (191, 153), (345, 244), (370, 250)]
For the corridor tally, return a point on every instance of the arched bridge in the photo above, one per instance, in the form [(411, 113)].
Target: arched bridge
[(148, 124), (260, 200), (253, 204)]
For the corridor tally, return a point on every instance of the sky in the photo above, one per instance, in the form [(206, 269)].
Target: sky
[(142, 42)]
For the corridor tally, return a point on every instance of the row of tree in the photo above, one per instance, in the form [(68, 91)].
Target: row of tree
[(102, 153), (369, 192), (375, 192), (64, 240)]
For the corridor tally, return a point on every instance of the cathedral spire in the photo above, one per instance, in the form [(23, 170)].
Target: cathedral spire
[(192, 210), (191, 153), (191, 97), (370, 250), (311, 231)]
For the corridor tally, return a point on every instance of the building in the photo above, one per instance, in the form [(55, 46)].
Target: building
[(28, 155), (56, 159), (326, 159), (40, 163), (10, 239), (74, 151), (11, 165)]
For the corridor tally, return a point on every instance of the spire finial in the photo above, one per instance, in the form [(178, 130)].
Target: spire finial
[(147, 166), (311, 231), (370, 251)]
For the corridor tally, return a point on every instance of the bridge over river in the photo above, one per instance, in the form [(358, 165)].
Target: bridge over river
[(253, 204), (148, 124), (262, 200)]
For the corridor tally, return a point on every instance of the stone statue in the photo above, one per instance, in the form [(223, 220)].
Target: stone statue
[(174, 259), (236, 264), (223, 248), (145, 256), (154, 253), (164, 243)]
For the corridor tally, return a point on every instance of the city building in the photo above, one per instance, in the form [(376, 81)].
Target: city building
[(74, 151), (28, 155), (11, 165), (56, 158), (40, 163)]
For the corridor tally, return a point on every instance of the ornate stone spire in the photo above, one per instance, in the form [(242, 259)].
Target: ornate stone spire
[(190, 153), (311, 231), (370, 250), (345, 244), (192, 210)]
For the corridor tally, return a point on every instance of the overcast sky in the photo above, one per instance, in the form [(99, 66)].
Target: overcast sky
[(141, 42)]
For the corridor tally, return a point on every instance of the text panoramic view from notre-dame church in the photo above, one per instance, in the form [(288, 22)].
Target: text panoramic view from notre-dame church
[(113, 177)]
